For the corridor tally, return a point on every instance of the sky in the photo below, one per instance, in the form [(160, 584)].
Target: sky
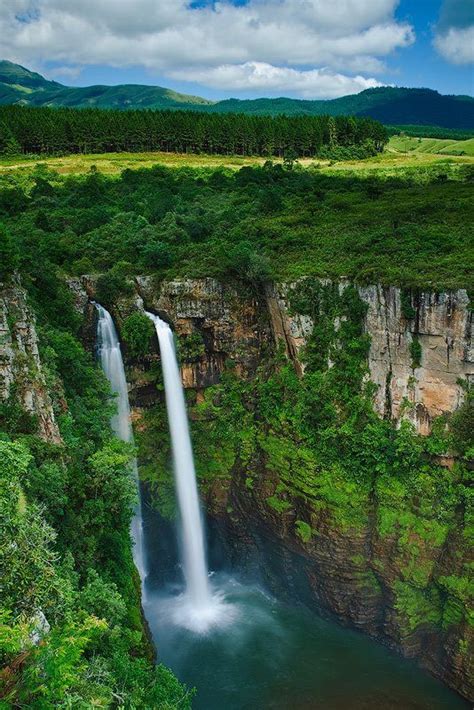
[(309, 49)]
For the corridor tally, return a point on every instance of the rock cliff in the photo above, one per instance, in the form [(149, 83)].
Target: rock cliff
[(22, 378), (418, 390)]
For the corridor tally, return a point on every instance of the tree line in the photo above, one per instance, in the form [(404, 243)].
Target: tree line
[(64, 130)]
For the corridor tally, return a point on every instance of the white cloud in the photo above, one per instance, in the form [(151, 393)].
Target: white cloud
[(454, 32), (258, 75), (64, 72), (272, 43), (456, 45)]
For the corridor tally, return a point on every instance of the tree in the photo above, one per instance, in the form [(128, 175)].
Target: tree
[(156, 255), (9, 257)]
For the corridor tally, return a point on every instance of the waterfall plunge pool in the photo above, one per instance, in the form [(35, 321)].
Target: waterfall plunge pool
[(266, 655)]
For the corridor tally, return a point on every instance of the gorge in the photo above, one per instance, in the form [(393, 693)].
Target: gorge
[(378, 572), (330, 415)]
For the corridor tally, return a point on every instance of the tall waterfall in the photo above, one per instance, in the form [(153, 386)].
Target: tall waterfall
[(198, 592), (112, 365)]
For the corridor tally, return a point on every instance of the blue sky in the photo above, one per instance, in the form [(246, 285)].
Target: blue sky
[(245, 48)]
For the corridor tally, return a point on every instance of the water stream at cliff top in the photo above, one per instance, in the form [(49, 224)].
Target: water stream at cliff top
[(112, 365)]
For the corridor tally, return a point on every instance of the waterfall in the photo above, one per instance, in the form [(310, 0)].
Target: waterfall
[(112, 365), (194, 557)]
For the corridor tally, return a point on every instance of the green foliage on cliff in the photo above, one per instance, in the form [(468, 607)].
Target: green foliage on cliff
[(8, 254), (415, 352), (71, 633), (137, 331), (191, 347), (409, 228)]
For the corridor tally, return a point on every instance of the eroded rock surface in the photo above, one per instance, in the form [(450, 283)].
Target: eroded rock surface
[(21, 374), (440, 322)]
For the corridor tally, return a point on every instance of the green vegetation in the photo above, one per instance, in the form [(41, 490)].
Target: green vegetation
[(438, 146), (46, 130), (71, 632), (137, 331), (18, 84), (455, 134), (191, 347), (415, 352), (303, 530), (409, 228)]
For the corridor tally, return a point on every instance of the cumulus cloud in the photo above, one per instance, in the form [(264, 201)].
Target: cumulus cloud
[(297, 45), (258, 75), (454, 33), (63, 72), (456, 45)]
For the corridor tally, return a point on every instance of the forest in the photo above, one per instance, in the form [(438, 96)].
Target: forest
[(64, 130)]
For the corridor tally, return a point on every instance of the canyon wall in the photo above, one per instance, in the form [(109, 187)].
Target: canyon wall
[(440, 322), (22, 377), (374, 553)]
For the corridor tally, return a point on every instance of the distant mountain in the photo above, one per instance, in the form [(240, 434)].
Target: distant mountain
[(394, 106), (389, 105), (21, 86)]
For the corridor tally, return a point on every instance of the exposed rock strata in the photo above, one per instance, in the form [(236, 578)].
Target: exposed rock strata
[(442, 324), (233, 327), (21, 372)]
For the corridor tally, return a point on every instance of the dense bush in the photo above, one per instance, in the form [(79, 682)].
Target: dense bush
[(253, 224), (137, 331), (8, 254)]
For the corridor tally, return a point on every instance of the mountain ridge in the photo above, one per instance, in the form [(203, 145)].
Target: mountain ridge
[(390, 105)]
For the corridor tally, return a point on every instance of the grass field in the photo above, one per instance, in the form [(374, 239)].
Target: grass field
[(432, 146), (401, 153)]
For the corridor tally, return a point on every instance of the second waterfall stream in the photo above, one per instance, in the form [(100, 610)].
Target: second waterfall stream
[(199, 609), (112, 365)]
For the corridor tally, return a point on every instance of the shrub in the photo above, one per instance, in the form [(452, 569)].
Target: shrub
[(191, 347), (9, 257), (156, 255), (408, 311), (303, 530), (415, 352), (137, 331)]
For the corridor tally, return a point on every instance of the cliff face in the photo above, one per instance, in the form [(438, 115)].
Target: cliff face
[(231, 327), (386, 555), (22, 379), (417, 390)]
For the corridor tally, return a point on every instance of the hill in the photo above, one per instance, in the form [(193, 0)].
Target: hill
[(390, 105), (21, 86), (434, 146)]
